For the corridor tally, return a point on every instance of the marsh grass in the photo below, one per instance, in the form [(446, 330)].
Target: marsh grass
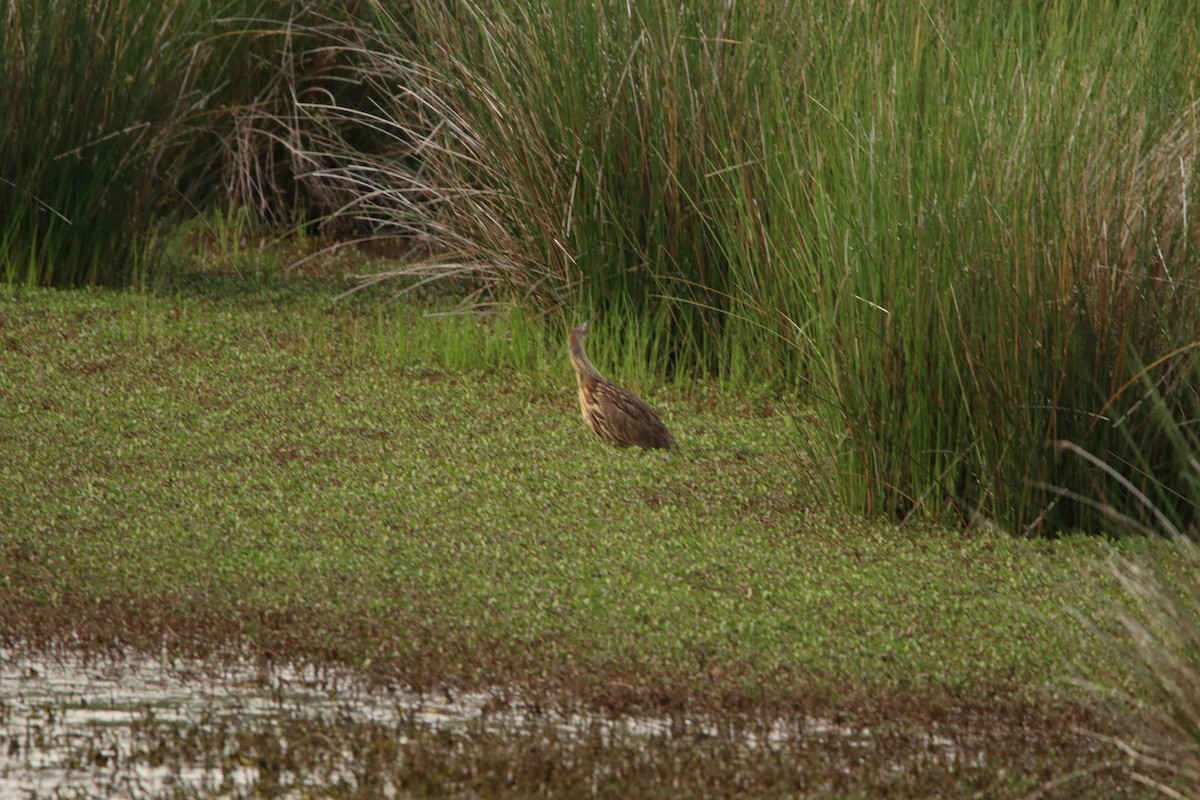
[(87, 87), (560, 164), (1153, 632), (965, 231), (123, 118), (973, 226), (992, 241)]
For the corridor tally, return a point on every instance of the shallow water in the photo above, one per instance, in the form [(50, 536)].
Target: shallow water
[(146, 727), (73, 726)]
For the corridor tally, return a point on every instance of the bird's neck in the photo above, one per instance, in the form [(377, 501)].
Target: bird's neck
[(583, 367)]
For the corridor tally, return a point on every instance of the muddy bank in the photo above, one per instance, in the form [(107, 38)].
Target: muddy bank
[(145, 726), (162, 703)]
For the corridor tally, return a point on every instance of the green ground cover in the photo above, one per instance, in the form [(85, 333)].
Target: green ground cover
[(249, 452)]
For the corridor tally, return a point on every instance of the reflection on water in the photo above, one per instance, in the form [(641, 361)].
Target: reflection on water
[(145, 727), (70, 726)]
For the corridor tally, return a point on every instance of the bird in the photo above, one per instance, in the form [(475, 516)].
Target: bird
[(616, 414)]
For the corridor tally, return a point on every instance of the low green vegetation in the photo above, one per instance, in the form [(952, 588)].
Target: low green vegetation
[(244, 450)]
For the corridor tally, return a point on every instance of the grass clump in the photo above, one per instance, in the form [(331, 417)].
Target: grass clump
[(91, 89), (1002, 244), (121, 118), (1154, 635), (566, 157)]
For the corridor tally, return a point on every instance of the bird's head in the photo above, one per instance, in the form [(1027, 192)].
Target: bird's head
[(578, 357), (579, 332)]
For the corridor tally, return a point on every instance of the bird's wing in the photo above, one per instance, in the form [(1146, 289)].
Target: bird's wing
[(628, 419)]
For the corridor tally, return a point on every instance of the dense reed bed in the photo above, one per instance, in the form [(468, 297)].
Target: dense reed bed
[(121, 119), (964, 231)]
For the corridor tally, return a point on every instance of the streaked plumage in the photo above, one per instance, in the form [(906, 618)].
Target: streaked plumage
[(616, 414)]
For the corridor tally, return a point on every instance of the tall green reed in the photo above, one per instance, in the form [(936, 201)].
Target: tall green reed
[(120, 117), (86, 85), (986, 243), (964, 227), (566, 156)]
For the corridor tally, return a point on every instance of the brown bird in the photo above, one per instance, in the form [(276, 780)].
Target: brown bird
[(616, 414)]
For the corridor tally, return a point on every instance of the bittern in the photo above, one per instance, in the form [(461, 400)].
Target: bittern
[(616, 414)]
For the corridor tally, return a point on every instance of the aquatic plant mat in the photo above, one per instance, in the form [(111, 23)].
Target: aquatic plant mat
[(270, 492)]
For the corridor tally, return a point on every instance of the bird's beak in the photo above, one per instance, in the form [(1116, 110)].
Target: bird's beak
[(593, 318)]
